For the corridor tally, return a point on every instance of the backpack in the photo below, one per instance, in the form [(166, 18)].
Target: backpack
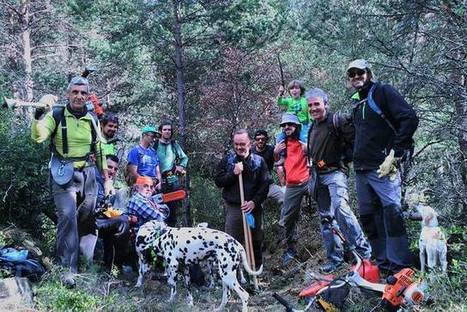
[(333, 127), (58, 114)]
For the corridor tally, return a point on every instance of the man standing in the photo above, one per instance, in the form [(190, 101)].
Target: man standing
[(266, 151), (109, 123), (173, 163), (256, 182), (384, 126), (143, 160), (330, 134), (75, 153), (296, 175)]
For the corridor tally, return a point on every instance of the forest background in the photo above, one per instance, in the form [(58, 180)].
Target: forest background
[(213, 66)]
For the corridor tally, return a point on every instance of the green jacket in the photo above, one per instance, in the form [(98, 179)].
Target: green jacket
[(298, 107), (79, 137), (167, 157)]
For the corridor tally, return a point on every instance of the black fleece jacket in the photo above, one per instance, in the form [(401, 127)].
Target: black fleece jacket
[(374, 138), (255, 175)]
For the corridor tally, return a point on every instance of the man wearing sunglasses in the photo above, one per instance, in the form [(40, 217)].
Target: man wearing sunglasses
[(384, 127), (266, 151), (296, 176)]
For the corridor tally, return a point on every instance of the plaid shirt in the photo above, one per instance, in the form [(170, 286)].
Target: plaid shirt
[(144, 209)]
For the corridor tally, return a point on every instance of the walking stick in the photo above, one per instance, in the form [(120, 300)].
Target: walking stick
[(247, 234)]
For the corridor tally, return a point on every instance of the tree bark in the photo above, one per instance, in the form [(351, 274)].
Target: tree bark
[(27, 52)]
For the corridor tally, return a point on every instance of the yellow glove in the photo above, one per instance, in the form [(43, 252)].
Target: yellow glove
[(388, 167)]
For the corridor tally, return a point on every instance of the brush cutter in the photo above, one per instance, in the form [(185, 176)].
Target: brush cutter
[(329, 292)]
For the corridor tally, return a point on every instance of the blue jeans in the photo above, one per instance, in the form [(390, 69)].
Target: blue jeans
[(379, 201), (333, 204)]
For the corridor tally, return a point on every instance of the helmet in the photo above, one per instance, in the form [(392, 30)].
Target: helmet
[(290, 118)]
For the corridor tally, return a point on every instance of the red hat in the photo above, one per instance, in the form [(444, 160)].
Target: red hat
[(142, 180)]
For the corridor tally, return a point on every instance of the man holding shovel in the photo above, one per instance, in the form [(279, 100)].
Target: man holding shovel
[(253, 171)]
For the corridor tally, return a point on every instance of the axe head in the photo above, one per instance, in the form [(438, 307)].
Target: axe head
[(10, 103)]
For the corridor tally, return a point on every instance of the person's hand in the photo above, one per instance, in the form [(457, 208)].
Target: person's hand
[(238, 168), (279, 147), (248, 206), (180, 170), (281, 90), (388, 167), (109, 187), (48, 100)]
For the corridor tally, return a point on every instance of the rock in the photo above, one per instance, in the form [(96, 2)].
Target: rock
[(16, 294)]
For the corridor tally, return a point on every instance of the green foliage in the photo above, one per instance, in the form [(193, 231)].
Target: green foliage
[(23, 175), (55, 297)]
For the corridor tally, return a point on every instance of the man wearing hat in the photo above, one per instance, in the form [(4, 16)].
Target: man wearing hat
[(143, 160), (76, 151), (142, 206), (384, 127), (296, 176)]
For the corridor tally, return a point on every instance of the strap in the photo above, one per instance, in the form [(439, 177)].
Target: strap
[(64, 134), (371, 102)]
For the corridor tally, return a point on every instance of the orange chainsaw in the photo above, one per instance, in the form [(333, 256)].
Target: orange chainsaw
[(329, 292)]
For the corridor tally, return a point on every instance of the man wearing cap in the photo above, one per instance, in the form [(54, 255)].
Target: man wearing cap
[(173, 163), (256, 181), (296, 175), (384, 127), (76, 151), (327, 152), (142, 206), (143, 160), (266, 151)]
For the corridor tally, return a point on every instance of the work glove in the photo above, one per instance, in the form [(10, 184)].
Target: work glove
[(388, 167), (48, 100)]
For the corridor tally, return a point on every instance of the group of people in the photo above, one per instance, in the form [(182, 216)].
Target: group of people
[(83, 170), (312, 154), (315, 149)]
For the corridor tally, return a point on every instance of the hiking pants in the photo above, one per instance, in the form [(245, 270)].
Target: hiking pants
[(379, 201), (290, 213), (174, 206), (333, 204), (75, 210), (234, 227)]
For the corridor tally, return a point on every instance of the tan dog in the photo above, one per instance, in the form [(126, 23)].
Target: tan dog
[(432, 242)]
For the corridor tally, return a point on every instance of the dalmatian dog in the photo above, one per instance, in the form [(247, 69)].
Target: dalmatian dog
[(432, 242), (188, 246)]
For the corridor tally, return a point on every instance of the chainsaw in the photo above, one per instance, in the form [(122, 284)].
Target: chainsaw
[(329, 292)]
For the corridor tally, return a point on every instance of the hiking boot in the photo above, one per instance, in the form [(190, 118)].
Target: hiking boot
[(330, 267), (288, 256), (68, 280)]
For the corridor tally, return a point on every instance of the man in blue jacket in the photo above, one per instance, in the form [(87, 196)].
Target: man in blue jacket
[(384, 127)]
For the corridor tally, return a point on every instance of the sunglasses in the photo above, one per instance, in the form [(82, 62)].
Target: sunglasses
[(353, 73), (261, 139), (288, 124)]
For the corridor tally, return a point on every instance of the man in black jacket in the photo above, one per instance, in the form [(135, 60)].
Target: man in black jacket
[(256, 182), (384, 127), (330, 134)]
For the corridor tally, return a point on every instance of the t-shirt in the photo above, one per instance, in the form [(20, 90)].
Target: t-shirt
[(298, 107), (267, 154), (296, 170), (145, 159)]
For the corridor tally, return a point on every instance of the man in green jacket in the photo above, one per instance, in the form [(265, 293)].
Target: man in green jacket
[(76, 150), (173, 162)]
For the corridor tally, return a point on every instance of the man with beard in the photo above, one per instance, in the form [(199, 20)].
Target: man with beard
[(173, 163), (76, 151), (327, 146), (109, 123), (296, 175), (384, 127), (256, 182)]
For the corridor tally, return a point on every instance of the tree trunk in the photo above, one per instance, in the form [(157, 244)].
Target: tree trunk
[(27, 52), (179, 67)]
